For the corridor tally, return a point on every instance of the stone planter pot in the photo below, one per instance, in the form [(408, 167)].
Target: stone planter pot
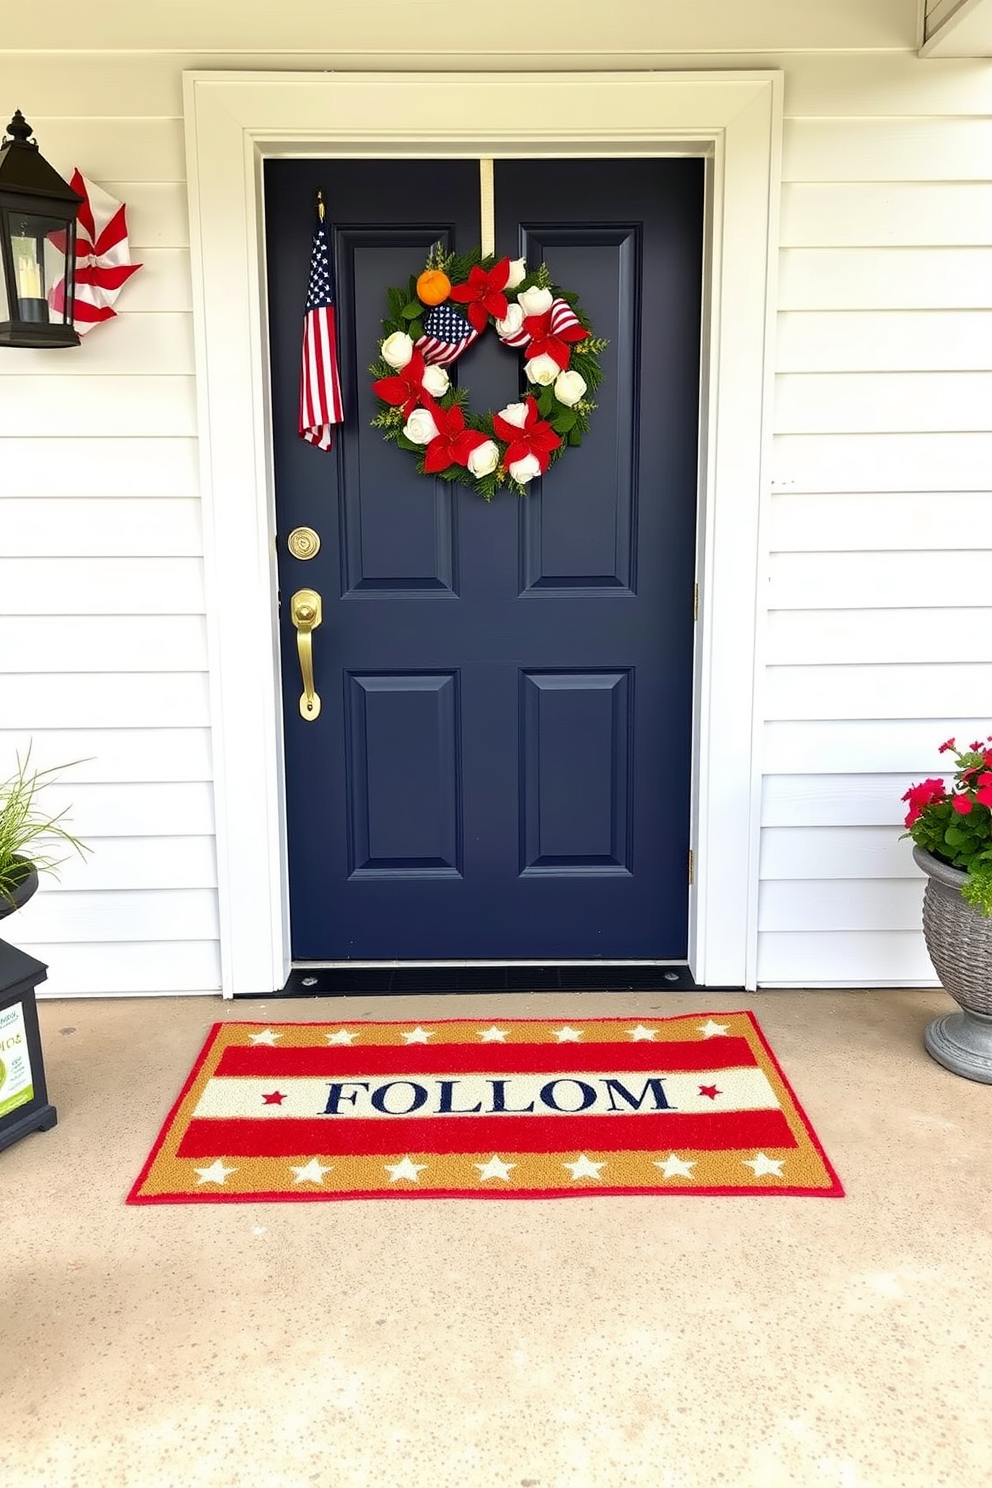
[(959, 941), (22, 893)]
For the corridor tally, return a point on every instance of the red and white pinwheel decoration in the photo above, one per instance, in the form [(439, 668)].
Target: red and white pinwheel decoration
[(103, 256)]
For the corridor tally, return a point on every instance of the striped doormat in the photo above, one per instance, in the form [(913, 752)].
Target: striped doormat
[(467, 1109)]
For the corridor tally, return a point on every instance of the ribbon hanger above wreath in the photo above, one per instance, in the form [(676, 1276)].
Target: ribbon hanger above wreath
[(436, 317)]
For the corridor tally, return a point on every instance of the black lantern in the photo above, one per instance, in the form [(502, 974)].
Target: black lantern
[(37, 245)]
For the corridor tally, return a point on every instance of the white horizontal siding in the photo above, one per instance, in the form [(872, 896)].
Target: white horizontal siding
[(833, 800), (881, 471), (881, 462), (860, 747), (163, 340), (126, 968), (895, 278), (112, 643), (883, 402), (873, 580), (835, 905), (104, 586), (81, 528), (873, 691), (122, 466), (853, 637), (893, 958), (823, 340), (117, 755), (870, 214), (126, 914), (58, 700), (886, 521), (91, 407), (118, 863)]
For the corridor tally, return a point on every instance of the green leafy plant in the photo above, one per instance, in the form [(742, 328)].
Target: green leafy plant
[(956, 825), (30, 835)]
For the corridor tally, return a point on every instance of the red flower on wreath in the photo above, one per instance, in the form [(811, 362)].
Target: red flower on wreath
[(406, 387), (483, 293), (549, 337), (536, 437), (454, 443)]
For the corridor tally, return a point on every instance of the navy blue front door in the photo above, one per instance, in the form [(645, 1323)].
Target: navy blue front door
[(500, 768)]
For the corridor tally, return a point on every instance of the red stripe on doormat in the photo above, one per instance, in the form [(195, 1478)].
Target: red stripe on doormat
[(484, 1059), (330, 1136)]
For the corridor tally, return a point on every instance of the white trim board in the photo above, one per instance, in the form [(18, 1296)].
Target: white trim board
[(236, 120)]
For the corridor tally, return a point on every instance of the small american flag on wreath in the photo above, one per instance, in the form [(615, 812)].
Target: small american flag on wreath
[(320, 381)]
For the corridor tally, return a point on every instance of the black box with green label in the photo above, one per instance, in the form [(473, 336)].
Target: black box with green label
[(24, 1103)]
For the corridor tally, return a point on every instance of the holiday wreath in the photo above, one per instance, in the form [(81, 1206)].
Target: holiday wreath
[(427, 329)]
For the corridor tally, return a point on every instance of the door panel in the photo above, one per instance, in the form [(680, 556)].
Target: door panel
[(500, 769)]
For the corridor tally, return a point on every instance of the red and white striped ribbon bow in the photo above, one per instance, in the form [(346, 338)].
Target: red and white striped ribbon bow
[(563, 317), (103, 256)]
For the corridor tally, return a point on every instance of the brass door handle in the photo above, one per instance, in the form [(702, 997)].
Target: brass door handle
[(305, 611)]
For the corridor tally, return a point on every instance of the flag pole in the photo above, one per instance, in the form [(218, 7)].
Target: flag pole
[(320, 204)]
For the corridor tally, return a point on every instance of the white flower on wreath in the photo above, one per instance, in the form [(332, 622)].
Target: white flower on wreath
[(420, 427), (483, 459), (535, 301), (524, 470), (570, 388), (518, 273), (436, 381), (543, 370), (397, 350), (512, 322), (515, 414)]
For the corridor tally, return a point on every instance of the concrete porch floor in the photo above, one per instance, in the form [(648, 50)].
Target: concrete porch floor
[(681, 1343)]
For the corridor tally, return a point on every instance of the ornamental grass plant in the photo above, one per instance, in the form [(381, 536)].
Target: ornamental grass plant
[(30, 835), (955, 824)]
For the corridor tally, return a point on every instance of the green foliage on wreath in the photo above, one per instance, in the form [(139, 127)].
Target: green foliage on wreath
[(405, 313)]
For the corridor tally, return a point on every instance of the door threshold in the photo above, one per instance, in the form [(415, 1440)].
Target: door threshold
[(392, 979)]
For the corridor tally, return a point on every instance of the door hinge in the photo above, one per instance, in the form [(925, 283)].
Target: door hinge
[(692, 867), (695, 601)]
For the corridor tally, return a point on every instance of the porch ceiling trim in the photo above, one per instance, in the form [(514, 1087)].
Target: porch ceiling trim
[(957, 28), (233, 122)]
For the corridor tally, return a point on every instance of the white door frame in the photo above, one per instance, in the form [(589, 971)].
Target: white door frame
[(234, 121)]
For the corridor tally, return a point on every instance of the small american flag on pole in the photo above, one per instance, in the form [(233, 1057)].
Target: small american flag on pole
[(320, 382)]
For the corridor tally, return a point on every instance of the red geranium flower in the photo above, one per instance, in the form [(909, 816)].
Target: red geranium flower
[(961, 804), (544, 342), (927, 793), (947, 744), (983, 792), (535, 438), (405, 387), (454, 443), (483, 293)]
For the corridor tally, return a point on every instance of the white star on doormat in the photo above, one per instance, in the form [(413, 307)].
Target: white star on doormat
[(640, 1033), (583, 1168), (267, 1036), (711, 1029), (312, 1172), (492, 1035), (568, 1035), (405, 1169), (216, 1173), (762, 1165), (676, 1167), (419, 1035), (494, 1168), (341, 1037)]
